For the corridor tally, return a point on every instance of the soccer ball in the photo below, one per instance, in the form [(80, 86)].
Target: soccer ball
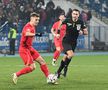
[(52, 78)]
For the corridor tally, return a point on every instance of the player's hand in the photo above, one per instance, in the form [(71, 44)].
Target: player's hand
[(38, 34), (57, 35), (80, 32)]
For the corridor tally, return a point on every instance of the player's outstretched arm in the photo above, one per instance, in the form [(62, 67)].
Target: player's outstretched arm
[(29, 34), (53, 31)]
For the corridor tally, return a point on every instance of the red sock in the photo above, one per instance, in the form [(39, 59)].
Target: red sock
[(45, 70), (56, 54), (24, 71)]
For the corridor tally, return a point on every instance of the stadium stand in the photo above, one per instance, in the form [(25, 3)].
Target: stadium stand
[(99, 8), (17, 12)]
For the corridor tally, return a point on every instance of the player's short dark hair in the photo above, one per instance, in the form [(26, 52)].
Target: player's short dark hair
[(34, 14), (76, 10), (62, 13)]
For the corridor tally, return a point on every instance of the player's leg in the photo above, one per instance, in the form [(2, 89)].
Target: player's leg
[(59, 48), (44, 69), (43, 66), (10, 47), (56, 55), (37, 57), (66, 47), (70, 54), (29, 65), (13, 47), (66, 67), (25, 70), (62, 64)]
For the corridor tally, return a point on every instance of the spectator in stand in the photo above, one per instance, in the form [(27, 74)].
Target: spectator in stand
[(28, 10), (50, 14), (69, 13), (83, 16), (89, 15), (41, 10), (38, 1), (86, 16), (104, 8), (21, 13), (58, 10)]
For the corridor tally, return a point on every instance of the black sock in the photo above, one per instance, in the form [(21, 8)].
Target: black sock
[(67, 61), (65, 70), (61, 67)]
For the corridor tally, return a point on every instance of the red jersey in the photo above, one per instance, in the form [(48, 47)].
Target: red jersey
[(26, 51), (62, 30), (26, 41)]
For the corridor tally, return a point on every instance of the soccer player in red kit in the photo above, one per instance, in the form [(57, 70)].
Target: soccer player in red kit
[(27, 52), (58, 32)]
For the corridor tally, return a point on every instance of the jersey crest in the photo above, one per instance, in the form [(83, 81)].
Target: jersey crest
[(78, 27), (28, 30)]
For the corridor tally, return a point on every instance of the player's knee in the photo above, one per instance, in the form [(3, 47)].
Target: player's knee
[(59, 49), (42, 62), (70, 56), (33, 66)]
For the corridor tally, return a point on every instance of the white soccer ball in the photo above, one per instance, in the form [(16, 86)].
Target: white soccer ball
[(52, 78)]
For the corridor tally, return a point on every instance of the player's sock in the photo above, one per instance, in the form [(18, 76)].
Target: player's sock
[(45, 70), (60, 68), (56, 54), (24, 71), (67, 61)]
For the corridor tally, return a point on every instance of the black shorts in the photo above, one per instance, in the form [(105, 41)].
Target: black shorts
[(68, 46)]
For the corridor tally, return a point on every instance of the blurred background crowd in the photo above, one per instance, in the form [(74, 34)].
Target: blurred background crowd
[(15, 14), (18, 11)]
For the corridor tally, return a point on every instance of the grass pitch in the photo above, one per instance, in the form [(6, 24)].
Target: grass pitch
[(85, 73)]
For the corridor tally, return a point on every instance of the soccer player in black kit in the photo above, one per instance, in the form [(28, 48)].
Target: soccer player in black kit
[(74, 28)]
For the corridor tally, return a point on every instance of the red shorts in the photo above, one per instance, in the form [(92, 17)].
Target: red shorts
[(58, 43), (28, 55)]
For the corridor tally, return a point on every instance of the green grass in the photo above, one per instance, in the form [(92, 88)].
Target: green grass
[(85, 73)]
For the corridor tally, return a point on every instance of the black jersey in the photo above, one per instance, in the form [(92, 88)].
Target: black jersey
[(72, 29)]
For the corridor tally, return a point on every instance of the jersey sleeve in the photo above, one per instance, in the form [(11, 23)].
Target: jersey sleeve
[(27, 29), (54, 26)]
